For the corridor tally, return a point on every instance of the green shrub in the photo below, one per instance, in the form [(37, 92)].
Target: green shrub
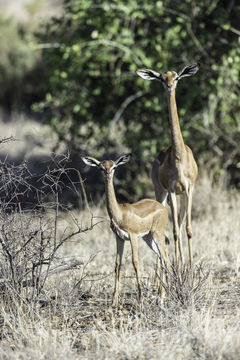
[(97, 104)]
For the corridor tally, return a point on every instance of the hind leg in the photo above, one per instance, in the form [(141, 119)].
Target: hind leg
[(161, 270), (155, 240), (159, 236)]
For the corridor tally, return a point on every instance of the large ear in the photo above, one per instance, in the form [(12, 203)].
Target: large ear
[(148, 74), (123, 159), (188, 70), (90, 161)]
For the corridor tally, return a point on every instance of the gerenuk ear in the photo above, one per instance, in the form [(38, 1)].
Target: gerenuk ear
[(90, 161), (148, 74), (123, 159), (188, 71)]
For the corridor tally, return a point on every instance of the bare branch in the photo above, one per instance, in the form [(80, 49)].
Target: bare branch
[(125, 104)]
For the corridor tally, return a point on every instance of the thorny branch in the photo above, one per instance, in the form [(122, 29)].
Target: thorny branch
[(30, 237)]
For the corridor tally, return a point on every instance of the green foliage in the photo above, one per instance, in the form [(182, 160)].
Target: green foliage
[(97, 104)]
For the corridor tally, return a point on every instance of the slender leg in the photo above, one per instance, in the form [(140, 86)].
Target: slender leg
[(157, 273), (161, 268), (120, 248), (155, 240), (182, 214), (173, 203), (134, 245), (152, 241), (164, 271), (189, 224), (159, 236)]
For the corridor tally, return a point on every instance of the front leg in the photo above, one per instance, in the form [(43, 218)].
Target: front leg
[(120, 248), (189, 224), (134, 245), (173, 204), (181, 218)]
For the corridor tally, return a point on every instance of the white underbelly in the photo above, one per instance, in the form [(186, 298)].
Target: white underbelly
[(123, 234), (141, 235), (146, 236)]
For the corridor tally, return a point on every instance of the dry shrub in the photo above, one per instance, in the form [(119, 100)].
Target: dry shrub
[(28, 336), (30, 239), (187, 287), (57, 280)]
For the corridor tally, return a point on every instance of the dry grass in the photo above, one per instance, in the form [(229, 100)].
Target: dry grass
[(74, 319)]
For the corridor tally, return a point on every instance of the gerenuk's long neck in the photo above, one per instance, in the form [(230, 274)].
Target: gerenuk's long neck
[(113, 207), (177, 139)]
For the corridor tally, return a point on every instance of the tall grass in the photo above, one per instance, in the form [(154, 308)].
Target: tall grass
[(73, 317)]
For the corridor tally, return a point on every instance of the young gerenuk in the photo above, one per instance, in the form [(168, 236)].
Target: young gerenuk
[(146, 219)]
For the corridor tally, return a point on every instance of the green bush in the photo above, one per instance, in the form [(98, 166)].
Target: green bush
[(97, 104)]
